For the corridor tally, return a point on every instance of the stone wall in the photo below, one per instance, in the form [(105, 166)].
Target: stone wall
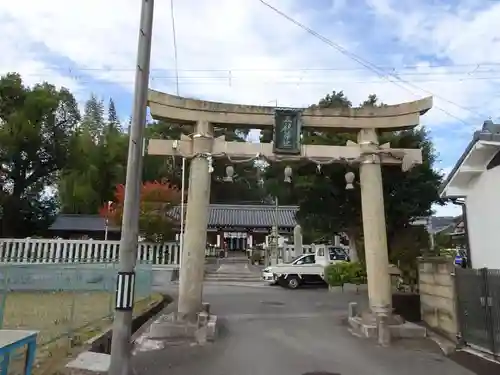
[(437, 295)]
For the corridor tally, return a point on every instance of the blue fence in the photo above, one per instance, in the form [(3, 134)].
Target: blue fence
[(60, 300)]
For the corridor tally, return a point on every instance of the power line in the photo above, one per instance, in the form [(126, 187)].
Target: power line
[(172, 16), (254, 80), (368, 65), (471, 68), (322, 81), (283, 78)]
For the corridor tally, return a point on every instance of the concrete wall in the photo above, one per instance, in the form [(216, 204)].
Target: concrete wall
[(437, 295), (483, 221), (163, 279)]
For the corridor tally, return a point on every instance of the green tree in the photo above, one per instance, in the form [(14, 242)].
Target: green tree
[(93, 117), (326, 207), (111, 156), (36, 124), (97, 161), (113, 120), (157, 168), (77, 194), (245, 187)]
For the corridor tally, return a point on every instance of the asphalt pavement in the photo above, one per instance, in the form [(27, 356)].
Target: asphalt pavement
[(271, 330)]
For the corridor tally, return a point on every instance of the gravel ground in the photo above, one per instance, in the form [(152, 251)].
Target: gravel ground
[(283, 332), (54, 314)]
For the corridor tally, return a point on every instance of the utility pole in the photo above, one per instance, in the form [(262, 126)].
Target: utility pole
[(122, 325), (106, 223), (277, 235), (430, 231), (183, 188)]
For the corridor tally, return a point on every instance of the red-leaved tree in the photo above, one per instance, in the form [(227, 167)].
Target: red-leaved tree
[(156, 222)]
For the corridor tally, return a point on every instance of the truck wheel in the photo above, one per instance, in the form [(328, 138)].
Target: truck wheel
[(293, 282)]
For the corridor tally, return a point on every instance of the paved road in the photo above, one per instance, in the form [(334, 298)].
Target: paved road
[(275, 331)]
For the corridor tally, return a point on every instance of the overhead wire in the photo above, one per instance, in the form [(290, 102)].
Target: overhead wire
[(174, 37), (294, 80), (299, 80), (478, 71), (476, 68), (370, 66)]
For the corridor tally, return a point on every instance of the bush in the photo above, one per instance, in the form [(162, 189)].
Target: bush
[(357, 274), (335, 274), (341, 273), (451, 253)]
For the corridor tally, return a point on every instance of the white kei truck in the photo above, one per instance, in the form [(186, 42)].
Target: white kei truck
[(305, 269)]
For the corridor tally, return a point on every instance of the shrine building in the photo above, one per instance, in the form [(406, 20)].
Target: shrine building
[(238, 226), (232, 226)]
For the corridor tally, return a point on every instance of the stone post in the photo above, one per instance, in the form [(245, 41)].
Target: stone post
[(273, 246), (218, 244), (297, 241), (195, 235), (336, 240), (375, 231)]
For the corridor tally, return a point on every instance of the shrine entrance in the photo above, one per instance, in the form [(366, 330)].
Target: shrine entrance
[(202, 147), (235, 241)]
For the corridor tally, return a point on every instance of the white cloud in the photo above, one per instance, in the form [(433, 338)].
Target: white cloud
[(449, 209), (246, 53), (244, 34), (19, 56), (461, 35)]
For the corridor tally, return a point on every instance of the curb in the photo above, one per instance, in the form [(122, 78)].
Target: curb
[(446, 345), (246, 285)]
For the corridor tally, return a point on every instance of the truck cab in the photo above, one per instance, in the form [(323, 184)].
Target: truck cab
[(305, 269)]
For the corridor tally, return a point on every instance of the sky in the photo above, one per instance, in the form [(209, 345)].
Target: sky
[(242, 51)]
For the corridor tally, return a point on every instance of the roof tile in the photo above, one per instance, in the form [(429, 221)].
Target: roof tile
[(219, 215), (84, 223), (249, 215), (488, 132)]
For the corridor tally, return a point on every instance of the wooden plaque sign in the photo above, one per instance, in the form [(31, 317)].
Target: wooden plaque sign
[(287, 130)]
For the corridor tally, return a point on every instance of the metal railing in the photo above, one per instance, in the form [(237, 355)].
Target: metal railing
[(82, 251), (478, 307), (72, 301)]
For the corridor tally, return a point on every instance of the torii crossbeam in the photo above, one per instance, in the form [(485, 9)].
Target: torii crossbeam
[(287, 123)]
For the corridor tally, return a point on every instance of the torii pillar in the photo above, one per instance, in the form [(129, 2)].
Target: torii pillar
[(195, 235), (287, 124)]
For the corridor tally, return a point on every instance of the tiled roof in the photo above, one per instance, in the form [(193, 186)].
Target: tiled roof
[(83, 223), (252, 216), (438, 224), (249, 215), (489, 132), (442, 223)]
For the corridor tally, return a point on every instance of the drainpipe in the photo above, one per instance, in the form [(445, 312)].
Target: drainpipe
[(466, 228)]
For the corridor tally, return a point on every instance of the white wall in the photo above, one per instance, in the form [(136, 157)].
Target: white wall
[(483, 219)]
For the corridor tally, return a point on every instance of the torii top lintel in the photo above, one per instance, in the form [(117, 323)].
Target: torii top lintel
[(391, 117)]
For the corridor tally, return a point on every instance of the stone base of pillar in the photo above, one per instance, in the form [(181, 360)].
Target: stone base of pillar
[(88, 363), (365, 324), (171, 329), (369, 318)]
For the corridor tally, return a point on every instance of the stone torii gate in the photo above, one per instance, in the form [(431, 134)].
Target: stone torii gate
[(201, 147)]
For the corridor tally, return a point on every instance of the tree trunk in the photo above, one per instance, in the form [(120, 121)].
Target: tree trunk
[(11, 223), (353, 251)]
